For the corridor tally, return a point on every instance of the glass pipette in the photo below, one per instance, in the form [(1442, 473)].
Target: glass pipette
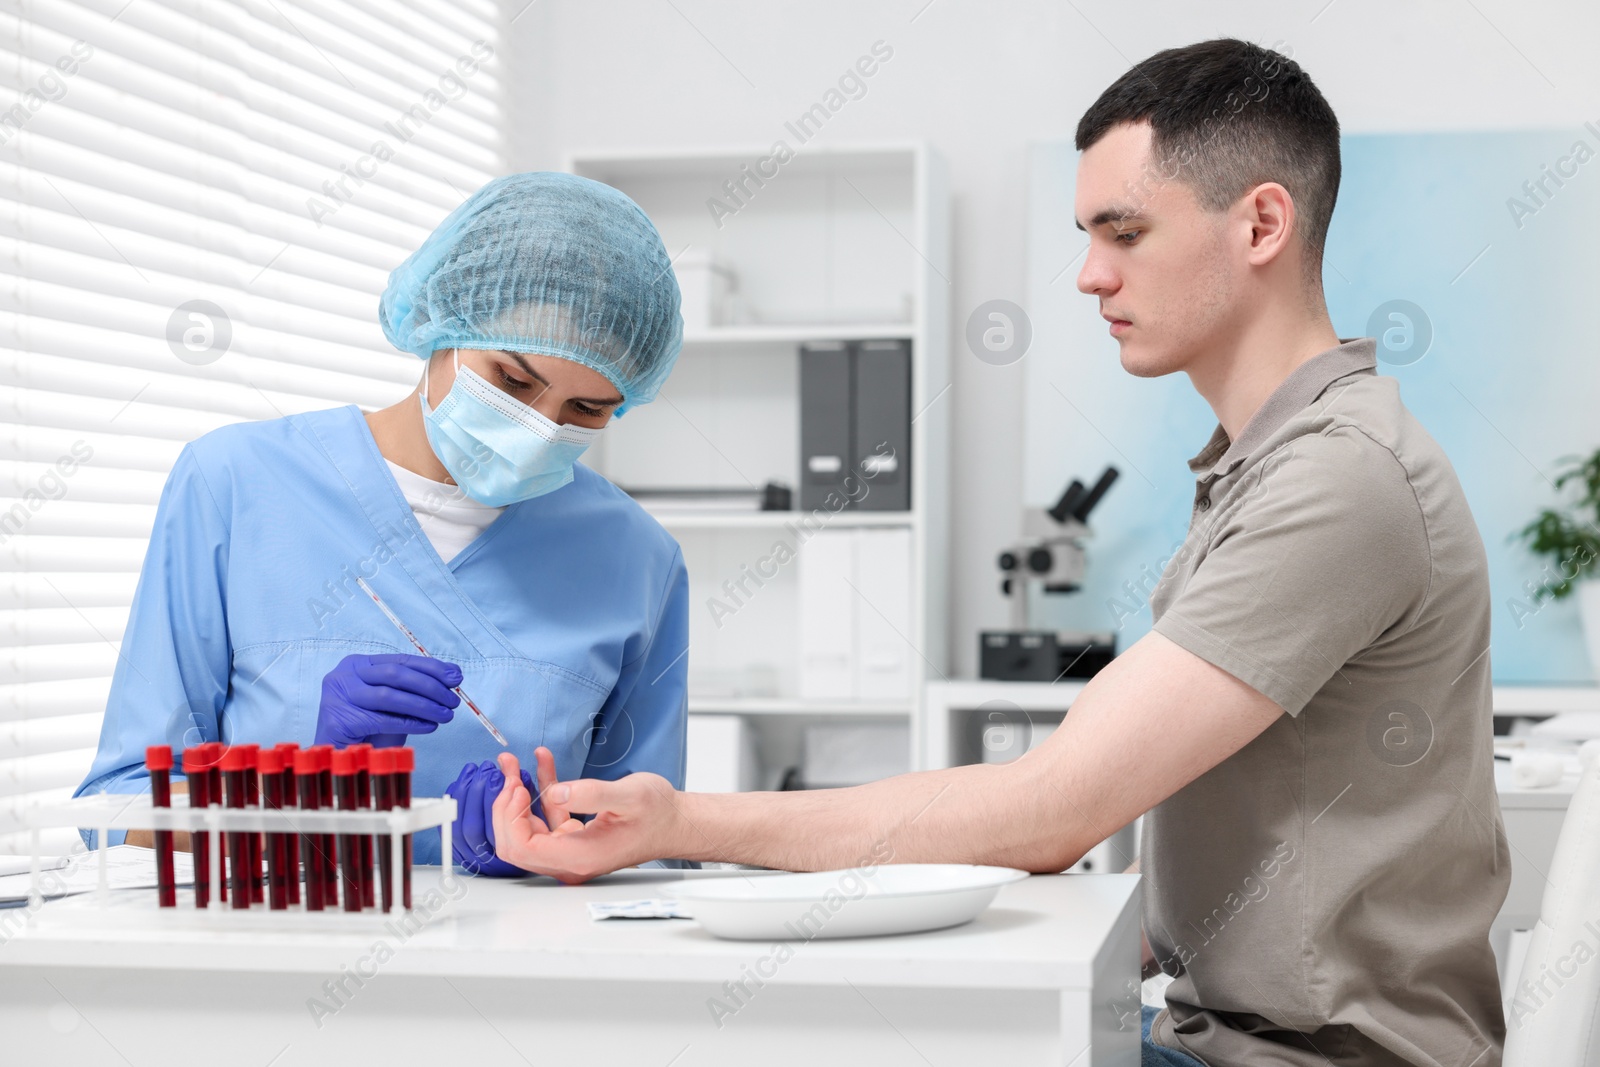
[(403, 628)]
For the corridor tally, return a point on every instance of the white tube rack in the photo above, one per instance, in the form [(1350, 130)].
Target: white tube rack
[(116, 811)]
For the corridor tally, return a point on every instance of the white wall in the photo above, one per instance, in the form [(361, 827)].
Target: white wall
[(980, 81)]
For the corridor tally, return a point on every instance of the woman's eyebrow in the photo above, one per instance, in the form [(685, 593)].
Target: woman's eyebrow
[(598, 402)]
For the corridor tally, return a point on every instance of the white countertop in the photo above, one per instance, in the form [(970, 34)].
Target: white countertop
[(1046, 931)]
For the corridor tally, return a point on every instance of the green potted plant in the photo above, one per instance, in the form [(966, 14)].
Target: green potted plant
[(1568, 540)]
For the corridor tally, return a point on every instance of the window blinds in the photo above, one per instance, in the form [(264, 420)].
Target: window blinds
[(200, 201)]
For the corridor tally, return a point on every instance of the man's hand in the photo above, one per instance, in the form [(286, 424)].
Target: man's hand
[(632, 821)]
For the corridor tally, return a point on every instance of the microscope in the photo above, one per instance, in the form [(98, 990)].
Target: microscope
[(1051, 557)]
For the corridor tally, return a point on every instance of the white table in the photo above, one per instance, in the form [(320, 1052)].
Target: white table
[(517, 973)]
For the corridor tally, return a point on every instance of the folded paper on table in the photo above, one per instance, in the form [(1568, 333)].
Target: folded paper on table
[(127, 867), (637, 909)]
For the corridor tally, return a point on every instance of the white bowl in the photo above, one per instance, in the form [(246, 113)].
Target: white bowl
[(895, 899)]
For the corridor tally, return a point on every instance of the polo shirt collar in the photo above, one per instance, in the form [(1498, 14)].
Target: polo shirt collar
[(1303, 385)]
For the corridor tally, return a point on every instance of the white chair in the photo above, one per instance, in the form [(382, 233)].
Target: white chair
[(1553, 1016)]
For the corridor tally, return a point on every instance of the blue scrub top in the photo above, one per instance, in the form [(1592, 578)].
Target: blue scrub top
[(569, 615)]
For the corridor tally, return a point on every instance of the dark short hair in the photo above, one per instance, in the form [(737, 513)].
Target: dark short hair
[(1225, 116)]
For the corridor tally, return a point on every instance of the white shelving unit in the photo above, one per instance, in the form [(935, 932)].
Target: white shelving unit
[(840, 245)]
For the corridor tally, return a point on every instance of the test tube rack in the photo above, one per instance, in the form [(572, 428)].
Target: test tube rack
[(115, 811)]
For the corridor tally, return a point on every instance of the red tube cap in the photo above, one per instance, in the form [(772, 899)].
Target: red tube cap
[(405, 760), (307, 761), (345, 761), (269, 761), (195, 759), (158, 758), (236, 758), (381, 761), (362, 754)]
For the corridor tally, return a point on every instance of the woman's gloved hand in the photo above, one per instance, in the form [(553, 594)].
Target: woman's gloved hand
[(381, 699), (472, 837)]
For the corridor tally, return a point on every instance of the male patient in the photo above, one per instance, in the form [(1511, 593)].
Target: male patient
[(1307, 728)]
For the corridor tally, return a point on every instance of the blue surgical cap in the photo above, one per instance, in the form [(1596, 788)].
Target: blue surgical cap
[(548, 263)]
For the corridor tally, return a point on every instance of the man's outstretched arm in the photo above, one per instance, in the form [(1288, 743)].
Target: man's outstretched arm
[(1148, 724)]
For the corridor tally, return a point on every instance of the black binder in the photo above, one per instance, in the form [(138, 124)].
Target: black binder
[(882, 434), (825, 423)]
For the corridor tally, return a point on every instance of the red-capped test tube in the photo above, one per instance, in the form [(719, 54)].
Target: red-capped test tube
[(330, 871), (382, 767), (312, 855), (405, 761), (236, 765), (158, 761), (287, 750), (344, 791), (211, 755), (254, 841), (270, 764), (363, 755), (197, 771)]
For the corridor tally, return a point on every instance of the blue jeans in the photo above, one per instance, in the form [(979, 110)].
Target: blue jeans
[(1153, 1055)]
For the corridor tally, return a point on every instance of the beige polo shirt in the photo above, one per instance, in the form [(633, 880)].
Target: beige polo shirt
[(1337, 876)]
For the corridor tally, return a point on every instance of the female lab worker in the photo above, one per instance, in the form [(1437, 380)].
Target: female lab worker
[(543, 305)]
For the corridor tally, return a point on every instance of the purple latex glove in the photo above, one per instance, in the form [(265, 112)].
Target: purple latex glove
[(381, 699), (472, 837)]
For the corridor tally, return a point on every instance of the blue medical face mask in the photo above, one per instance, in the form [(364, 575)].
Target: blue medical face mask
[(498, 449)]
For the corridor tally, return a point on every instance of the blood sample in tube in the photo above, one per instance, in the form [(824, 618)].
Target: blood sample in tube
[(287, 750), (381, 764), (270, 764), (400, 782), (311, 847), (330, 870), (196, 771), (158, 761), (344, 791), (254, 841), (235, 766), (363, 755)]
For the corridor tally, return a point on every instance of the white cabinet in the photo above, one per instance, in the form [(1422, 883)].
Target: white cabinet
[(886, 663), (855, 613), (721, 755), (829, 637)]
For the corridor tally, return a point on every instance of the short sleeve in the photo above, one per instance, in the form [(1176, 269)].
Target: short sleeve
[(1319, 552)]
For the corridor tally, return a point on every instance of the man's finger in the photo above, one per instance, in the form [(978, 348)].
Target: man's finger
[(555, 814), (510, 767), (515, 825), (590, 796)]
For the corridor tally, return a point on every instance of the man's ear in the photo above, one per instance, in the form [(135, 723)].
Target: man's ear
[(1271, 215)]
